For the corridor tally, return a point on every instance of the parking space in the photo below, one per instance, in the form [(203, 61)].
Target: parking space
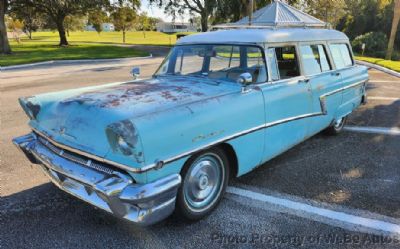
[(354, 173)]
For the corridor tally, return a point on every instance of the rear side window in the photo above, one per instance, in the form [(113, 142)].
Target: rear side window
[(283, 62), (341, 55), (314, 59)]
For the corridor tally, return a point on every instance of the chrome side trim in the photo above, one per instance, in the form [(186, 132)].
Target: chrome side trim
[(161, 163), (94, 157), (257, 128)]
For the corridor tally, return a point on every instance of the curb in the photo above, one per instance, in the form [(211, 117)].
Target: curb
[(380, 68), (62, 62)]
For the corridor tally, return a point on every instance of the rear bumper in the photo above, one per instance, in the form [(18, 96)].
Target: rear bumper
[(112, 191)]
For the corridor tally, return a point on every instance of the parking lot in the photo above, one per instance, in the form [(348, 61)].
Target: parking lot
[(339, 192)]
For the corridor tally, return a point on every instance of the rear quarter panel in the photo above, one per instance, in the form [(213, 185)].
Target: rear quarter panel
[(351, 97)]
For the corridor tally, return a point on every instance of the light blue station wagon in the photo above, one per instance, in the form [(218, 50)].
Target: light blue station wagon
[(221, 104)]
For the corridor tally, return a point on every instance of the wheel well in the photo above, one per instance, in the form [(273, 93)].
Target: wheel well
[(231, 154)]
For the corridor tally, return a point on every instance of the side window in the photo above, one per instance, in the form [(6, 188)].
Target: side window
[(341, 55), (314, 59), (225, 57), (283, 60), (256, 65)]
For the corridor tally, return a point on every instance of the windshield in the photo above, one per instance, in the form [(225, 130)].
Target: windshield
[(222, 62)]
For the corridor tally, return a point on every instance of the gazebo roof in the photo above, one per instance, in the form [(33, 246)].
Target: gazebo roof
[(277, 14)]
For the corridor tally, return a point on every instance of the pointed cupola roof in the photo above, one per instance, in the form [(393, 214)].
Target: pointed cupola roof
[(278, 14)]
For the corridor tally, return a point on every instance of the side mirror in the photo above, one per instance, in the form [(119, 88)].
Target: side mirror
[(245, 79), (135, 72)]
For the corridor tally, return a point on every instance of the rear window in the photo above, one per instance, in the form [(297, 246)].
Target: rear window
[(341, 55), (314, 59)]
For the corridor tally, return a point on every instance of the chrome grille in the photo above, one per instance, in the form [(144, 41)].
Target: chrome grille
[(84, 161)]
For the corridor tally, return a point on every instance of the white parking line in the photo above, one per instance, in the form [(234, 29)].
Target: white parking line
[(383, 98), (383, 81), (376, 130), (336, 218)]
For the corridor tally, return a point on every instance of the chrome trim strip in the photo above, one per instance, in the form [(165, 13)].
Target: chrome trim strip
[(82, 153), (260, 127), (161, 163)]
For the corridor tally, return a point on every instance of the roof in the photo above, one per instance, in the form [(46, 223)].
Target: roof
[(264, 36), (278, 14)]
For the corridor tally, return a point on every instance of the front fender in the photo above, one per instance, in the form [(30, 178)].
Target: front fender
[(187, 129)]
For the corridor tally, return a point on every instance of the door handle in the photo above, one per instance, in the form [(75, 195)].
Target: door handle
[(304, 81), (337, 74)]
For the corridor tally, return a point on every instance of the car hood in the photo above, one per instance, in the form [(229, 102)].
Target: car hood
[(79, 118)]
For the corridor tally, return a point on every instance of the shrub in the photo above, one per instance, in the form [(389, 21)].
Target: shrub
[(375, 44)]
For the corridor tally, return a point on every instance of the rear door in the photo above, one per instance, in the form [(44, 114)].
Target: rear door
[(288, 101), (323, 80)]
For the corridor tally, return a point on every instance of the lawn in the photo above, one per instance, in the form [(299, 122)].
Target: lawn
[(140, 38), (394, 65), (83, 45)]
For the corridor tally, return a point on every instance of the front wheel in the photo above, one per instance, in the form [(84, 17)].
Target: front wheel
[(336, 127), (204, 181)]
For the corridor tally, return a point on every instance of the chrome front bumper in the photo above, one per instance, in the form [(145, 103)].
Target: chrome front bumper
[(113, 191)]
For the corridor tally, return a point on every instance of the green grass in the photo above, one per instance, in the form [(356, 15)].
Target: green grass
[(83, 45), (394, 65), (140, 38)]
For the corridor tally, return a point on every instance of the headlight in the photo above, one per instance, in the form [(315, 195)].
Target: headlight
[(124, 146)]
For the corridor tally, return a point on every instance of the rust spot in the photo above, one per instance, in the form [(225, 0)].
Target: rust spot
[(168, 95), (115, 96)]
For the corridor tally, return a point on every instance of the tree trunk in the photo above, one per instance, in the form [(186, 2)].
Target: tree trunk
[(204, 22), (395, 23), (61, 31), (123, 36), (4, 44)]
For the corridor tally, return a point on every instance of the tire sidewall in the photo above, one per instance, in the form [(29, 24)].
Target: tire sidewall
[(182, 208), (339, 129)]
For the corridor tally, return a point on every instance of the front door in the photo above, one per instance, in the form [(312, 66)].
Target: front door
[(288, 102)]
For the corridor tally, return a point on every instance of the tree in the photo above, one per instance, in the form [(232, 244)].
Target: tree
[(31, 18), (16, 26), (204, 8), (74, 23), (4, 44), (124, 19), (395, 23), (58, 10), (96, 18), (330, 11)]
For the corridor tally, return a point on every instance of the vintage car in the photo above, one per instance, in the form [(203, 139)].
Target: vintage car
[(221, 104)]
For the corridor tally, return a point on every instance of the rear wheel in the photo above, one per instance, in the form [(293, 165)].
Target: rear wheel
[(336, 127), (204, 180)]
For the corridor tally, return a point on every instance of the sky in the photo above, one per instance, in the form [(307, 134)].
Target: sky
[(155, 11)]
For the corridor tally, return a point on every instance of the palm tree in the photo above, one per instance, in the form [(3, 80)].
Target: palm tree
[(395, 23)]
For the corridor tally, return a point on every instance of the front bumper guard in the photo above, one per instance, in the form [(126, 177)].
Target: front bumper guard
[(115, 193)]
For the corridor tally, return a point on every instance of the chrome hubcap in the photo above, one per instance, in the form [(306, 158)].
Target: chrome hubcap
[(203, 182), (338, 123)]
